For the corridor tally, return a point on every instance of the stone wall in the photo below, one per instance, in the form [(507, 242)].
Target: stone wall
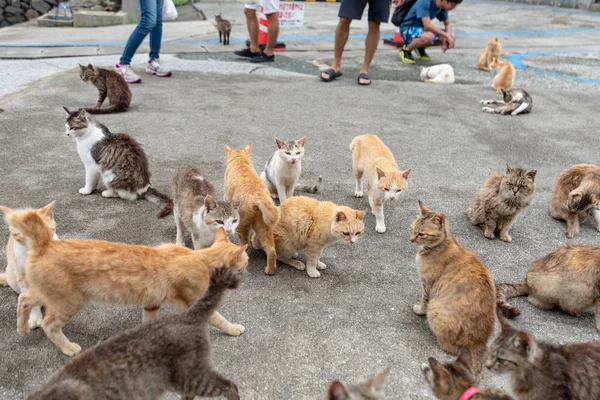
[(16, 11)]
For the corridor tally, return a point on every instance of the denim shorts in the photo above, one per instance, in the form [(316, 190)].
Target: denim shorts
[(379, 10), (410, 33)]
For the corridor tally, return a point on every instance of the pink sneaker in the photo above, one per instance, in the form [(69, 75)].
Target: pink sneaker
[(126, 72), (155, 67)]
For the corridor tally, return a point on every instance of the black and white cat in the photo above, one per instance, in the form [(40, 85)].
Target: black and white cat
[(516, 101)]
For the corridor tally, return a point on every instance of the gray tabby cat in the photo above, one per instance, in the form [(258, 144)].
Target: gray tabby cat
[(169, 354), (116, 159), (283, 170), (197, 211), (500, 199), (516, 101), (540, 370), (372, 389)]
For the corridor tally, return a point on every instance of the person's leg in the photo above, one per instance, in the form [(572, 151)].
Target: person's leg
[(425, 40), (252, 24), (370, 47), (147, 23), (273, 32), (156, 33)]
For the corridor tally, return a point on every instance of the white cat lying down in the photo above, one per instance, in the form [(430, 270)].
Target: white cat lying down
[(443, 73)]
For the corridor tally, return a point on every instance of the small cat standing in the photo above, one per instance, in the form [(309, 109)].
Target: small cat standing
[(516, 101), (505, 77), (385, 180), (568, 278), (117, 159), (224, 28), (170, 354), (308, 224), (283, 170), (491, 51), (372, 389), (196, 210), (541, 370), (109, 83), (443, 73), (16, 255), (575, 196), (458, 291), (500, 199)]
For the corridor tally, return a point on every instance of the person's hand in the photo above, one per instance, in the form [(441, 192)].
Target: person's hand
[(397, 3), (449, 42)]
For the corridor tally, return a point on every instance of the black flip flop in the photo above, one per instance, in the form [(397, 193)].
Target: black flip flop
[(363, 76), (332, 75)]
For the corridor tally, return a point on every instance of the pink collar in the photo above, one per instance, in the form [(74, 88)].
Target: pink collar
[(470, 392)]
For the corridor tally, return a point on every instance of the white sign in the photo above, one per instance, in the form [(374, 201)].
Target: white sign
[(291, 14)]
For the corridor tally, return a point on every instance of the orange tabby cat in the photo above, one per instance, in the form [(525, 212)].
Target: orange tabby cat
[(257, 210), (493, 49), (505, 78), (65, 275), (385, 181), (458, 291), (309, 224)]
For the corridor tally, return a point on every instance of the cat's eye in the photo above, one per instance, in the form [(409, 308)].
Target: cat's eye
[(509, 184), (235, 221), (501, 360), (288, 153), (387, 189), (358, 233), (297, 153), (219, 222), (421, 235), (346, 233)]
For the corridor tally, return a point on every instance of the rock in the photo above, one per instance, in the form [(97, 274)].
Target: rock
[(15, 19), (25, 6), (32, 14), (15, 3), (13, 10), (40, 6), (98, 8), (51, 2), (2, 3)]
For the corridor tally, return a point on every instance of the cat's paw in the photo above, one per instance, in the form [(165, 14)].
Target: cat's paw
[(236, 330), (299, 265), (489, 235), (358, 193), (506, 238), (71, 349), (270, 271), (23, 329), (484, 102), (487, 109), (572, 233), (85, 191), (321, 265), (313, 273), (380, 228), (35, 321), (419, 309), (109, 193)]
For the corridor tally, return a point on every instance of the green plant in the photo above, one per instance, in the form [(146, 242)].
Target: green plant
[(179, 3)]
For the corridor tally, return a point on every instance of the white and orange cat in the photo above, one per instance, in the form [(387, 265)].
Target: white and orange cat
[(16, 254), (65, 275), (308, 224), (385, 180), (505, 76)]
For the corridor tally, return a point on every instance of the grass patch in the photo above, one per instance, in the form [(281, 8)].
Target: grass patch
[(179, 3)]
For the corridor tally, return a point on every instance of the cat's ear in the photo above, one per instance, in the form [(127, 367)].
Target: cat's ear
[(81, 66), (67, 110), (48, 210), (423, 208), (248, 148), (83, 114), (340, 216), (6, 210), (496, 39), (509, 169), (360, 214), (406, 173), (440, 218), (90, 66), (464, 357), (522, 341), (377, 383), (239, 254), (221, 236), (380, 173), (280, 143), (227, 149), (209, 203), (531, 175), (593, 199), (337, 391), (440, 374), (301, 141)]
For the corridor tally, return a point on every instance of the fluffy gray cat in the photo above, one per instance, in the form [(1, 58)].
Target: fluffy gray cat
[(169, 354)]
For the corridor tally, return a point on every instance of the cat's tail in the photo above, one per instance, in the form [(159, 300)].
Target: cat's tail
[(221, 279), (31, 225), (162, 200), (113, 108), (310, 188), (270, 213), (505, 291)]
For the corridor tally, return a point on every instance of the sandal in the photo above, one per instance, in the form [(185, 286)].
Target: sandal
[(363, 76), (332, 75)]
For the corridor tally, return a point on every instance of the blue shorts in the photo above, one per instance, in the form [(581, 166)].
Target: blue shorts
[(410, 33)]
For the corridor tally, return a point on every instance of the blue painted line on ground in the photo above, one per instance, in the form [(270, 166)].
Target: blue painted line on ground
[(517, 61)]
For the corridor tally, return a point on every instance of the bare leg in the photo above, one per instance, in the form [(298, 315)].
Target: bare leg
[(219, 322), (273, 32), (370, 47), (424, 40), (341, 38), (252, 24)]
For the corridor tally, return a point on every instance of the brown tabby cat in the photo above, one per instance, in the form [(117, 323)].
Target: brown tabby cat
[(372, 389), (459, 296), (456, 381), (224, 28), (541, 370), (500, 199), (257, 210), (65, 275), (568, 278), (575, 195), (308, 224), (171, 354), (109, 83)]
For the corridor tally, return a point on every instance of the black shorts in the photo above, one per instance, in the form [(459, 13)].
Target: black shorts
[(379, 10)]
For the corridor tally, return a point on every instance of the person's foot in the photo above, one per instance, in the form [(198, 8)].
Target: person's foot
[(262, 57), (422, 55), (406, 56), (246, 53), (126, 72), (155, 67)]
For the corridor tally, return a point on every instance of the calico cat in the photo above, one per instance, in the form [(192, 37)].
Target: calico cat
[(491, 51), (170, 354), (385, 180), (568, 278), (117, 159), (456, 381), (197, 210), (443, 73), (224, 28), (372, 389), (16, 255), (283, 170), (575, 196), (308, 224), (109, 83), (257, 210), (458, 292), (505, 75), (541, 370), (516, 101), (500, 199), (65, 275)]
